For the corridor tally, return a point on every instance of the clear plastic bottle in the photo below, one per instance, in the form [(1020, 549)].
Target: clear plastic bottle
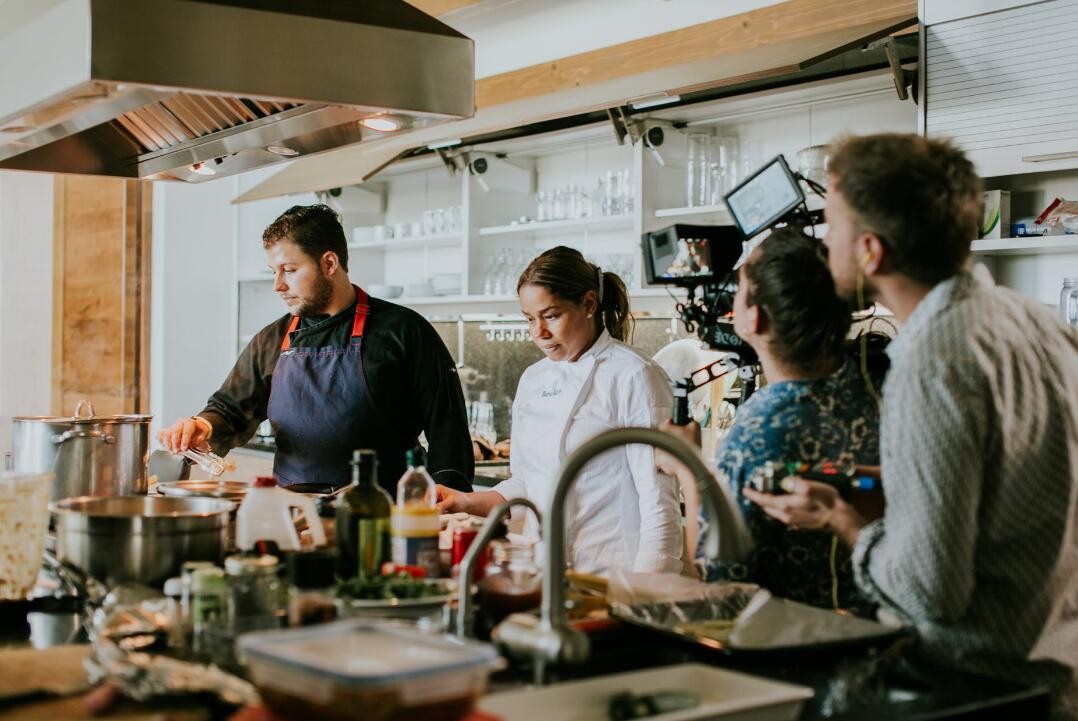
[(414, 524)]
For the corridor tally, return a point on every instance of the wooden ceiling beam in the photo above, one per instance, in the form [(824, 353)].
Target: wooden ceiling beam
[(782, 24)]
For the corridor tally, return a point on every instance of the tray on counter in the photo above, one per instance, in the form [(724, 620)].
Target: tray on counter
[(721, 693)]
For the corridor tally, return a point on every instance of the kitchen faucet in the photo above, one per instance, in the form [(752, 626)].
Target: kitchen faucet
[(465, 607), (550, 639)]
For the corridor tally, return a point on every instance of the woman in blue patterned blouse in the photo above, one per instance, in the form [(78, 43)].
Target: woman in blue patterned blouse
[(815, 407)]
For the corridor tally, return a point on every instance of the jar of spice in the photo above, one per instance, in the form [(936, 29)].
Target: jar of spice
[(209, 591), (312, 593), (254, 593)]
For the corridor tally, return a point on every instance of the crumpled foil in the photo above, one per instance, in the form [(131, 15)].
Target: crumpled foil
[(132, 633), (672, 601)]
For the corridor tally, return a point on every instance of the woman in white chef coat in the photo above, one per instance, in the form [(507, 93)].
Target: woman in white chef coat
[(622, 511)]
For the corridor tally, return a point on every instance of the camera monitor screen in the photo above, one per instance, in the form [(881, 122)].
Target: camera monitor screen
[(691, 254), (764, 198)]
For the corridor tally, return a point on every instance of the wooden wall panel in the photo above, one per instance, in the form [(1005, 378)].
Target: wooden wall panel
[(101, 294)]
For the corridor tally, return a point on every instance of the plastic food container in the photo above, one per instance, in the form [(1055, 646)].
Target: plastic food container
[(391, 673)]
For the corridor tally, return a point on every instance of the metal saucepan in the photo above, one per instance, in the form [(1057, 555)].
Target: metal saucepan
[(91, 455), (139, 538)]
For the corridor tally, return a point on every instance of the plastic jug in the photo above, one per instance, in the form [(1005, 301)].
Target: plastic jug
[(266, 515)]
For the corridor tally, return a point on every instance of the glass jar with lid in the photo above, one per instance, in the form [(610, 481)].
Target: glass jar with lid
[(254, 593), (512, 581)]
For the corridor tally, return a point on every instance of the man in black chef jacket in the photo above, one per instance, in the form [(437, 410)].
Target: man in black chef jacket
[(339, 371)]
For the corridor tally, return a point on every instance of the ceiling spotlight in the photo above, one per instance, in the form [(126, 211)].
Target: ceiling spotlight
[(282, 150), (202, 169), (381, 123)]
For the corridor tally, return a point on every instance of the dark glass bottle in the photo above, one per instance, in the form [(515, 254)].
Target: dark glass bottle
[(363, 520)]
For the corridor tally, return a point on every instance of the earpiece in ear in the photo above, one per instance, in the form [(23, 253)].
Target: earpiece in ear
[(865, 259)]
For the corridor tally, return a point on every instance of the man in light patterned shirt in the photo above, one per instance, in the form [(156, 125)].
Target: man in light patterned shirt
[(978, 549)]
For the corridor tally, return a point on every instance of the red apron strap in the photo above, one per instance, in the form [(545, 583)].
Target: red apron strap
[(362, 309), (287, 342)]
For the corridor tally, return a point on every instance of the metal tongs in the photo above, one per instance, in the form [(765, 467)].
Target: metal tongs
[(209, 461)]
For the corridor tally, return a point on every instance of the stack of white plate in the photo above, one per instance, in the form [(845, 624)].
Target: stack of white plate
[(446, 283)]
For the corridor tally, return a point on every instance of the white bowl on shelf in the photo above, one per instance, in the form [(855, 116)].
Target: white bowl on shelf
[(385, 291)]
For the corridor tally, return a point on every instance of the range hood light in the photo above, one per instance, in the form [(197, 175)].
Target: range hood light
[(444, 144), (382, 123), (282, 150), (202, 169), (17, 129)]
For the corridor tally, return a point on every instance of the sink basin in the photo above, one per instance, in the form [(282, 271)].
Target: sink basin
[(722, 694)]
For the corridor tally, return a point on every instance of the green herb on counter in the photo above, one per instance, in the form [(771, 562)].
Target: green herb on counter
[(397, 585)]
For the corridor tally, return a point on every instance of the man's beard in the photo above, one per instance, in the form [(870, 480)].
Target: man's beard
[(319, 300)]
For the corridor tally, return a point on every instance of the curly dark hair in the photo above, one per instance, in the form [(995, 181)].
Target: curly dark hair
[(789, 281), (314, 228), (921, 197)]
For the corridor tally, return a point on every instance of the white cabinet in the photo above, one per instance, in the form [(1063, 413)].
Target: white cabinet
[(1003, 83)]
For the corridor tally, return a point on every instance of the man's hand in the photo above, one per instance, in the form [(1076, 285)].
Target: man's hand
[(810, 506), (185, 433), (451, 500), (689, 433)]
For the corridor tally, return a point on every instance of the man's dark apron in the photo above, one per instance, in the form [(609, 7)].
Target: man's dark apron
[(321, 410)]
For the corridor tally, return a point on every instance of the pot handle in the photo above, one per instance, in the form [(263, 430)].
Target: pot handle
[(68, 435), (310, 515), (79, 406)]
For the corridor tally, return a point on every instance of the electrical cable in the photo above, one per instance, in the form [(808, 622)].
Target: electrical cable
[(834, 572)]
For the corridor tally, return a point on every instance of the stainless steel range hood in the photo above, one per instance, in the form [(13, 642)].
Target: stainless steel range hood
[(197, 89)]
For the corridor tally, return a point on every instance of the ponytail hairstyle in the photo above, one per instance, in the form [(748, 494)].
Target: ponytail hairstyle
[(567, 275)]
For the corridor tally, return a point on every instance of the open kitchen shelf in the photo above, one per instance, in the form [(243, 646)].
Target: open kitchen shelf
[(1042, 245), (437, 239), (602, 222), (717, 213)]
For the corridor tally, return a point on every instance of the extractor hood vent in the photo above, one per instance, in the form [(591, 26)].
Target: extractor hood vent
[(139, 89)]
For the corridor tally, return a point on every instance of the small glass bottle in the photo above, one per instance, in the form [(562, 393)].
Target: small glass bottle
[(254, 594), (512, 581), (312, 594)]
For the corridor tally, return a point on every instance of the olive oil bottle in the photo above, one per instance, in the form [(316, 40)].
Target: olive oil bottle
[(363, 520)]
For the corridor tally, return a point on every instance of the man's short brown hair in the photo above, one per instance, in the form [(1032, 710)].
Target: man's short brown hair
[(314, 228), (920, 196)]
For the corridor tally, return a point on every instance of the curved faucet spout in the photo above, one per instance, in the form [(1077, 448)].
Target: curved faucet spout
[(552, 639), (465, 610)]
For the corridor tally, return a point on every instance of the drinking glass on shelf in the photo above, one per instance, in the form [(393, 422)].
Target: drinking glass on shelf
[(439, 220), (625, 192), (697, 170), (724, 175), (541, 210), (452, 219), (750, 155)]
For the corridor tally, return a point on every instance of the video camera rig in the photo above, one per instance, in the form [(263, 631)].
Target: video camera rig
[(704, 257)]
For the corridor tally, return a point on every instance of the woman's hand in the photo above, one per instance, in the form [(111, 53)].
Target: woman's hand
[(451, 500), (689, 433), (810, 506)]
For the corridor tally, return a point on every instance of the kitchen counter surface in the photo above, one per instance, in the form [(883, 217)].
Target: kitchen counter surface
[(904, 691)]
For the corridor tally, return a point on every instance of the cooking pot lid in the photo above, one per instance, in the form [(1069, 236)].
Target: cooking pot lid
[(84, 413)]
